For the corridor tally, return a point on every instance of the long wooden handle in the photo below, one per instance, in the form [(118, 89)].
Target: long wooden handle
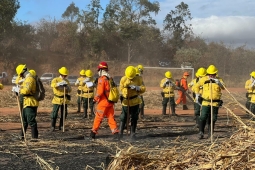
[(21, 120)]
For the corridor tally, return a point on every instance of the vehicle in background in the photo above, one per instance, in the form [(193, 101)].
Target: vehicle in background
[(3, 78), (72, 79), (15, 76), (47, 77), (116, 79)]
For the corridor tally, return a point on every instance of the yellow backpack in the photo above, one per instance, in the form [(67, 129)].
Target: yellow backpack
[(114, 94)]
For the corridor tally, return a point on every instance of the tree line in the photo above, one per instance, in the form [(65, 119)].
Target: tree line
[(125, 32)]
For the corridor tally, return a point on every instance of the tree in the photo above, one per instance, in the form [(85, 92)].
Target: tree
[(189, 55), (71, 12), (128, 17), (8, 10), (175, 22)]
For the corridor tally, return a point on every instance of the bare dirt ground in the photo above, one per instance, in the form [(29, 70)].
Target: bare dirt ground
[(73, 149)]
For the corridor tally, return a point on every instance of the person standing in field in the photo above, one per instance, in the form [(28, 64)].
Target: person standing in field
[(167, 93), (80, 84), (61, 89), (211, 96), (88, 93), (131, 86), (184, 87), (28, 103), (201, 72), (140, 73), (249, 86), (104, 107)]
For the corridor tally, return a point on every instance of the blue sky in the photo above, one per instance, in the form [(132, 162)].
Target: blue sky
[(229, 21)]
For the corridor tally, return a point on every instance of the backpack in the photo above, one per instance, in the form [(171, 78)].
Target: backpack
[(114, 91), (40, 91), (178, 82)]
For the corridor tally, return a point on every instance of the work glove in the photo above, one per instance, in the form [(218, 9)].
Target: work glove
[(16, 89), (217, 81), (132, 87), (21, 81), (86, 79), (197, 97), (252, 84), (191, 84), (62, 83)]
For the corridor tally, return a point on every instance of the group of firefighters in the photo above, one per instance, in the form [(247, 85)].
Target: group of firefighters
[(206, 88)]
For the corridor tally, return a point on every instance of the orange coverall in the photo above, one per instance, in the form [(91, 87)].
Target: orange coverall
[(104, 107), (182, 96)]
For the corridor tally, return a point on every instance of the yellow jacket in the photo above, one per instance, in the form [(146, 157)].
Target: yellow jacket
[(18, 79), (167, 89), (59, 91), (27, 89), (88, 92), (132, 94), (249, 88), (204, 82)]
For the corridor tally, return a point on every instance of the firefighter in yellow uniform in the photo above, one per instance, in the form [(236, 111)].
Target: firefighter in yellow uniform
[(61, 89), (167, 93), (88, 93), (29, 103), (212, 86), (79, 83), (201, 72), (141, 107), (249, 86), (131, 87)]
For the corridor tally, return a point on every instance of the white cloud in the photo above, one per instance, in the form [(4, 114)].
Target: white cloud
[(236, 30)]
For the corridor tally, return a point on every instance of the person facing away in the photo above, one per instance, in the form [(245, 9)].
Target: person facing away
[(28, 103), (104, 107), (181, 95), (79, 83), (249, 86), (61, 90), (167, 93), (131, 86), (201, 72), (211, 96)]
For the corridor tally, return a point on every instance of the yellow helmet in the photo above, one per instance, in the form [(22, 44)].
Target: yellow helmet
[(88, 73), (201, 72), (130, 72), (63, 71), (137, 71), (82, 72), (32, 72), (1, 86), (253, 74), (140, 67), (168, 74), (20, 68), (212, 70)]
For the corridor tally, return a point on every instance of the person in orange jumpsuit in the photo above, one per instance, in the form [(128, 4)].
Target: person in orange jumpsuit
[(184, 85), (104, 107)]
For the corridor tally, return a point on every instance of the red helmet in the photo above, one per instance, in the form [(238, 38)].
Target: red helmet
[(185, 73), (102, 66)]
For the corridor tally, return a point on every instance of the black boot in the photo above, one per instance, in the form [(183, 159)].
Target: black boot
[(85, 114), (92, 112), (201, 129), (132, 131), (173, 110), (92, 135), (60, 123), (53, 124), (21, 134), (116, 136), (164, 110), (79, 108), (34, 132), (184, 107), (122, 126)]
